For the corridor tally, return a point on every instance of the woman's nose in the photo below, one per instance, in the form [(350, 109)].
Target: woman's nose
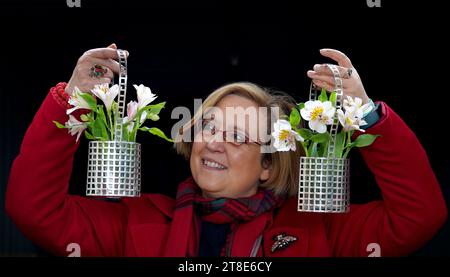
[(216, 143)]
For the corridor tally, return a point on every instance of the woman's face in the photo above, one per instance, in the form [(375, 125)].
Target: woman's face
[(223, 169)]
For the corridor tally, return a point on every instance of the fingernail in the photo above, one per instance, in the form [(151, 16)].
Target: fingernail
[(323, 50), (128, 53), (310, 73), (316, 67)]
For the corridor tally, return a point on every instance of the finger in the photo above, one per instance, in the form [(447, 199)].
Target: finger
[(346, 85), (109, 74), (108, 63), (325, 85), (325, 70), (337, 56), (99, 81), (327, 78), (105, 80), (103, 53), (114, 46)]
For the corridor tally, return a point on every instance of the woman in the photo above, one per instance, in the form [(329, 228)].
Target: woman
[(239, 201)]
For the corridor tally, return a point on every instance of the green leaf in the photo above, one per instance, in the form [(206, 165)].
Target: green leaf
[(114, 112), (322, 149), (321, 138), (125, 133), (157, 132), (333, 98), (88, 135), (339, 146), (301, 106), (59, 125), (156, 108), (294, 117), (323, 95), (101, 114), (313, 150), (89, 99), (153, 116), (99, 129), (306, 134), (364, 140)]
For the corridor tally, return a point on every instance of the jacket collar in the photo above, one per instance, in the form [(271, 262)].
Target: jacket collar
[(163, 203)]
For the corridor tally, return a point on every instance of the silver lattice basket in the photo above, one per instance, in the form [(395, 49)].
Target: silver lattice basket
[(324, 182), (114, 167), (324, 185)]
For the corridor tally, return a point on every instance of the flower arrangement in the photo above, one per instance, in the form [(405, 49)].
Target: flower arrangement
[(99, 122), (320, 114)]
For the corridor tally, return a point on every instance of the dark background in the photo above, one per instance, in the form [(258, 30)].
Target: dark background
[(186, 49)]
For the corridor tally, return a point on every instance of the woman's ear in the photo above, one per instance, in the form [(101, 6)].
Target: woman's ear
[(265, 173)]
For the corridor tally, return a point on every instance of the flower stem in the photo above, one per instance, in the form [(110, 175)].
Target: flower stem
[(108, 112), (349, 141), (137, 124)]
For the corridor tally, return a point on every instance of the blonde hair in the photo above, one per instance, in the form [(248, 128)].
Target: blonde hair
[(284, 166)]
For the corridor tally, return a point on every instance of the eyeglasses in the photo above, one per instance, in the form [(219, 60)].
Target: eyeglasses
[(208, 129)]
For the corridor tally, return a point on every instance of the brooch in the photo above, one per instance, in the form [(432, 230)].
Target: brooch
[(282, 241)]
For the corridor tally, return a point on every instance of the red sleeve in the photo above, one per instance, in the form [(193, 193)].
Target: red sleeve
[(37, 197), (412, 209)]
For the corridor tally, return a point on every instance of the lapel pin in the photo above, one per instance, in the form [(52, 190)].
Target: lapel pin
[(282, 241)]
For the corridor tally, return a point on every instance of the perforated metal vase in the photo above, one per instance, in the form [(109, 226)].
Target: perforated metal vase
[(324, 182), (324, 185), (114, 169)]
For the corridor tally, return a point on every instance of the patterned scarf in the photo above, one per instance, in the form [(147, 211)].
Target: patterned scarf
[(223, 210)]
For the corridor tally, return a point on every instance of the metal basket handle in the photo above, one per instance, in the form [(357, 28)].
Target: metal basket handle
[(339, 100), (123, 77)]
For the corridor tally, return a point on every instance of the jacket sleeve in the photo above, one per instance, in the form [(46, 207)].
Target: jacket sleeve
[(412, 209), (37, 198)]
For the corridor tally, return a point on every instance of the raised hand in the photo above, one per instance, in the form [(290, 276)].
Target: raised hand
[(322, 76)]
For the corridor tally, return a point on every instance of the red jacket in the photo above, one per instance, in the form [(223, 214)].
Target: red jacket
[(411, 212)]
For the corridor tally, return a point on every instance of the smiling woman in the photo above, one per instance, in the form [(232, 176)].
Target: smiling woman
[(242, 165), (240, 199), (226, 169)]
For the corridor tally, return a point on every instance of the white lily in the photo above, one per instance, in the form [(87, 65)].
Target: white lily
[(284, 136), (350, 121), (144, 95), (319, 114), (75, 126), (132, 109), (356, 107), (77, 102), (143, 117), (106, 94)]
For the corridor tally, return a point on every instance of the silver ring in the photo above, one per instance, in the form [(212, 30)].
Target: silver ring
[(348, 73)]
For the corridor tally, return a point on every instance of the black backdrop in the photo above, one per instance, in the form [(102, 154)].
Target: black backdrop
[(184, 50)]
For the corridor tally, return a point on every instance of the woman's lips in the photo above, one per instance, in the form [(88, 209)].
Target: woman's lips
[(212, 165)]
